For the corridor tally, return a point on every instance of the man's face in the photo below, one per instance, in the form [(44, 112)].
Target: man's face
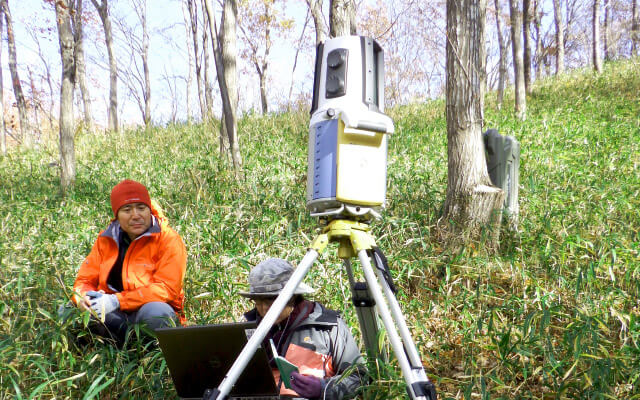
[(135, 219), (264, 303)]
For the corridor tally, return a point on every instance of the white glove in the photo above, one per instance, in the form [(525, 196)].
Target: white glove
[(103, 304)]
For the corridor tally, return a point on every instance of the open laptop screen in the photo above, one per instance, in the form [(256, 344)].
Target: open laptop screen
[(198, 357)]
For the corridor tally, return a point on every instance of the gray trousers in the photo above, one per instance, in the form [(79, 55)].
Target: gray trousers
[(154, 315)]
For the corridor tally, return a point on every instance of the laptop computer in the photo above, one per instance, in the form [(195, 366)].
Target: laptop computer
[(198, 358)]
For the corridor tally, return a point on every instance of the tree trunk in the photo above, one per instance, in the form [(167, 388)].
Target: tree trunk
[(25, 134), (3, 133), (228, 56), (265, 62), (502, 69), (537, 22), (112, 114), (607, 56), (225, 57), (185, 13), (193, 13), (67, 151), (557, 14), (316, 12), (341, 16), (208, 90), (353, 27), (78, 37), (35, 104), (145, 65), (526, 30), (635, 28), (262, 75), (471, 202), (225, 149), (597, 54), (518, 69)]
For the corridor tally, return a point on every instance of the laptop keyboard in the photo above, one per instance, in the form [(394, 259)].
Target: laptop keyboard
[(256, 398)]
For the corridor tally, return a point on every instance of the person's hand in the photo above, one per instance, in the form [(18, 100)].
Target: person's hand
[(83, 300), (103, 304), (92, 294), (306, 385)]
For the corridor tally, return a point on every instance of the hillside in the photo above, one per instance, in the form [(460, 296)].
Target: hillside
[(554, 315)]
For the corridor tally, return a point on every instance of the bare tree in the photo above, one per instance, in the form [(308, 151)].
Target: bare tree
[(635, 28), (260, 61), (342, 16), (173, 93), (502, 62), (187, 24), (25, 134), (597, 52), (537, 23), (315, 6), (3, 133), (228, 50), (78, 37), (224, 51), (410, 33), (136, 43), (36, 105), (295, 58), (67, 150), (259, 23), (518, 69), (526, 29), (47, 77), (557, 14), (471, 202), (607, 34), (208, 90), (112, 112), (142, 14), (193, 14), (577, 38)]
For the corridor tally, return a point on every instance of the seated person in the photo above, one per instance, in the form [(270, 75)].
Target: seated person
[(135, 270), (308, 335)]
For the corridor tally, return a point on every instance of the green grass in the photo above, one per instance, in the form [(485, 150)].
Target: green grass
[(553, 315)]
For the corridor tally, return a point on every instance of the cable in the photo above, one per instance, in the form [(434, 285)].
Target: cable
[(380, 262)]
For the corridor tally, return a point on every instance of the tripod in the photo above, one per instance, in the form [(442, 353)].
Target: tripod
[(354, 240)]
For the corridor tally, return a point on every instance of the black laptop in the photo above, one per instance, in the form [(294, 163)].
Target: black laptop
[(199, 357)]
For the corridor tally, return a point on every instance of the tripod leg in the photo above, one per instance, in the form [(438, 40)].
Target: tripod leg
[(396, 312), (366, 312), (418, 384), (265, 325)]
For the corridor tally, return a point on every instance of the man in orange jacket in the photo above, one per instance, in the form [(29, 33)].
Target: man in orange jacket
[(135, 270)]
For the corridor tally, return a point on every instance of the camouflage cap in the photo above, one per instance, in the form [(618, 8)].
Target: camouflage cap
[(267, 279)]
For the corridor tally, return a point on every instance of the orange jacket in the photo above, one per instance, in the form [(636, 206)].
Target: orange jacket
[(153, 268)]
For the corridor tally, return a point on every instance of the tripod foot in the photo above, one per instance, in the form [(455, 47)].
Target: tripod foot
[(424, 389), (212, 394)]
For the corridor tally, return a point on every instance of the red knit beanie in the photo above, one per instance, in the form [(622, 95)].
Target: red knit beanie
[(127, 192)]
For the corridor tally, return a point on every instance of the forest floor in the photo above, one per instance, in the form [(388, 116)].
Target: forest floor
[(554, 314)]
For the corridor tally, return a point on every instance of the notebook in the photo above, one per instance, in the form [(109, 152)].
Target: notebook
[(198, 358), (286, 368)]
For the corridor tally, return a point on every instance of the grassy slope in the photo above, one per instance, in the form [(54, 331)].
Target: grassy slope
[(554, 315)]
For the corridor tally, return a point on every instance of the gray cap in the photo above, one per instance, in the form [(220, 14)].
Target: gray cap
[(268, 278)]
